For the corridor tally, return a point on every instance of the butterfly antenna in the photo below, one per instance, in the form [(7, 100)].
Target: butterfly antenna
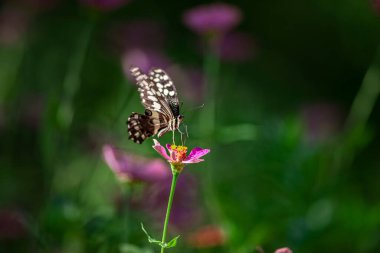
[(195, 108)]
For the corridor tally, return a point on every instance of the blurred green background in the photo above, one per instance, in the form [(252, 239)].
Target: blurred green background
[(288, 106)]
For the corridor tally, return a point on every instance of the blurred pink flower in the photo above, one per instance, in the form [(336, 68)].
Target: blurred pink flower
[(216, 18), (185, 212), (322, 121), (207, 237), (177, 154), (11, 224), (105, 5), (190, 82), (145, 59), (139, 43), (236, 47), (138, 34), (32, 111), (283, 250), (376, 6), (195, 90), (13, 24), (134, 168)]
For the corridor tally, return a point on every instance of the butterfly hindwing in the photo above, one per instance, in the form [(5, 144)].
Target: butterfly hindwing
[(142, 126)]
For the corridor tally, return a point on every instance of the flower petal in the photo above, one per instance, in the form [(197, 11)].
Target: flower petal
[(216, 17), (128, 167), (153, 171), (160, 149), (118, 162), (173, 153), (195, 160), (283, 250), (196, 153), (109, 156)]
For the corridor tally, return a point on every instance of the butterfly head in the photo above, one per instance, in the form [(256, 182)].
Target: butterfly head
[(180, 118), (176, 122)]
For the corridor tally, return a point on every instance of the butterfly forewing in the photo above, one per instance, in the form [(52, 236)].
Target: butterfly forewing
[(150, 95), (164, 87)]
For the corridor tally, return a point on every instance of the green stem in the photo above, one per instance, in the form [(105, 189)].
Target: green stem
[(208, 115), (207, 124), (168, 209), (356, 124), (72, 80), (367, 95)]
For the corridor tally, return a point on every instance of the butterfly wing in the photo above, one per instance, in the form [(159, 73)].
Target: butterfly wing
[(150, 94), (164, 86), (142, 126), (158, 101)]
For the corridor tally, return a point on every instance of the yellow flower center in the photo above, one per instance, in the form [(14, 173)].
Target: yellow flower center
[(180, 151)]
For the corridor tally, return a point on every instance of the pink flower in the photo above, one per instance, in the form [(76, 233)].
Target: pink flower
[(213, 18), (178, 154), (283, 250), (134, 168), (145, 59), (236, 47)]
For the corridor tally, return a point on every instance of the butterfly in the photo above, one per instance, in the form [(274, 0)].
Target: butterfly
[(160, 99)]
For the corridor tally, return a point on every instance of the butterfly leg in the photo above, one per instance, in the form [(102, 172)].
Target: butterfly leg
[(173, 138), (182, 134)]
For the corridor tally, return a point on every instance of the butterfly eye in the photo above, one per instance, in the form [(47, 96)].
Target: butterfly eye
[(148, 112), (180, 117)]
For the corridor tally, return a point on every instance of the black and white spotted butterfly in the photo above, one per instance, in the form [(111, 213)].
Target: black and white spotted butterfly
[(159, 97)]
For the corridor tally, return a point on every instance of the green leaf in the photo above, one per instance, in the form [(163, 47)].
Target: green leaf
[(173, 242), (150, 239)]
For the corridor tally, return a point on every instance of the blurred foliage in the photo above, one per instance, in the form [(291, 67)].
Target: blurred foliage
[(280, 172)]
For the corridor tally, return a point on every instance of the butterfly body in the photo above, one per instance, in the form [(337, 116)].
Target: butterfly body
[(159, 97)]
